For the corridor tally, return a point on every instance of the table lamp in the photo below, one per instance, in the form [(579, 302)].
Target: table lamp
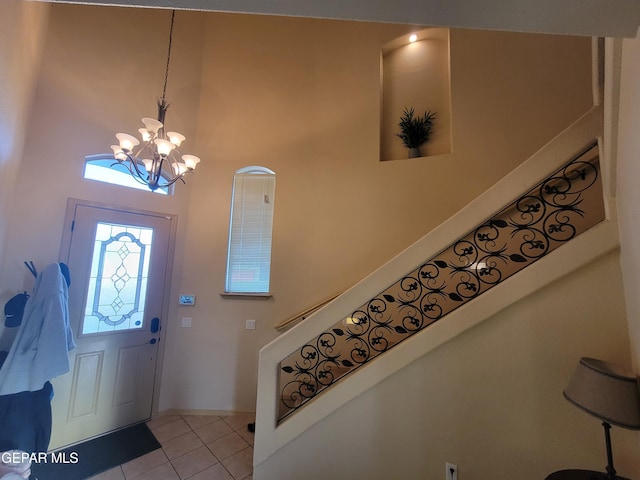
[(609, 393)]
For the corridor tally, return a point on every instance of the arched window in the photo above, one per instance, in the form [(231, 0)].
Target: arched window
[(105, 168), (250, 227)]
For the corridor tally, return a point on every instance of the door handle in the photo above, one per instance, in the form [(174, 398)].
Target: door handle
[(155, 328), (155, 325)]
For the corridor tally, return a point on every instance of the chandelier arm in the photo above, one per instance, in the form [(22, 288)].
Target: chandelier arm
[(134, 157), (156, 175), (174, 180), (134, 162), (135, 174), (167, 183), (140, 180), (171, 161)]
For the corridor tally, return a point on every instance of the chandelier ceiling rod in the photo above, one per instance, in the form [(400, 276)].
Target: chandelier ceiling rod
[(162, 103), (166, 72), (156, 161)]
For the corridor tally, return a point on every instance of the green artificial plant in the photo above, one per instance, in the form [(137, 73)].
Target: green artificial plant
[(415, 129)]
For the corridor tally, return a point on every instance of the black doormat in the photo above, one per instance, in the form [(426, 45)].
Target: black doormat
[(97, 455)]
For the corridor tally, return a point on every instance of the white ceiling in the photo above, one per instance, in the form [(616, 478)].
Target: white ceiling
[(605, 18)]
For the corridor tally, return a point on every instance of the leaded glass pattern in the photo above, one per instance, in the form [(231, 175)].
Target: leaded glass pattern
[(118, 280)]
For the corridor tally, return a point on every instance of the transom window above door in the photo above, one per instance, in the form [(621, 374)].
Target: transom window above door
[(104, 168)]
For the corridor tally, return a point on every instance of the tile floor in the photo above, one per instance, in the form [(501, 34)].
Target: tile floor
[(194, 447)]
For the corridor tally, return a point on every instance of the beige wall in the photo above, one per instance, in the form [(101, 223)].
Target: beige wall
[(301, 98), (628, 192), (490, 400), (22, 31), (297, 96)]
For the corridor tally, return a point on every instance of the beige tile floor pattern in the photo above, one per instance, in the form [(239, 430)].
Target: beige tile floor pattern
[(194, 447)]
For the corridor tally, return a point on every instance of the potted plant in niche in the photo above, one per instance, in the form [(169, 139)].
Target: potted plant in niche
[(415, 130)]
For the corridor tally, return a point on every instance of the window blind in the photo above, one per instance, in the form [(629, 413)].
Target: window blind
[(250, 233)]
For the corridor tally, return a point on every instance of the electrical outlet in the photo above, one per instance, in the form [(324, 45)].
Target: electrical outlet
[(452, 472), (250, 325)]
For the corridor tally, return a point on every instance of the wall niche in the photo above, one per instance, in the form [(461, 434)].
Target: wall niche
[(416, 73)]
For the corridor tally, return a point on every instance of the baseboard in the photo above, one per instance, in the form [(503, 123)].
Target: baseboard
[(180, 411)]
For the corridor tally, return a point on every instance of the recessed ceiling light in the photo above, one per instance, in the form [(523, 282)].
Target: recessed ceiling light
[(413, 37)]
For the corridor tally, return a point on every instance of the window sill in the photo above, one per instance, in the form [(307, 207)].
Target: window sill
[(262, 296)]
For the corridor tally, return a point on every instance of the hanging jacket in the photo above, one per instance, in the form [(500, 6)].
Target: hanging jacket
[(40, 349)]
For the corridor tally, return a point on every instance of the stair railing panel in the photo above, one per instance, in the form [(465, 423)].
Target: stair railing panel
[(558, 209)]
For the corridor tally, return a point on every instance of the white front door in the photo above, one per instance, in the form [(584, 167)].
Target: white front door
[(118, 268)]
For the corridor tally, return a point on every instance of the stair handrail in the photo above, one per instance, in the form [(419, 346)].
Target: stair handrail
[(289, 322)]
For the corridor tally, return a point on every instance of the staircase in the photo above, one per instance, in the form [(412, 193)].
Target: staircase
[(284, 415)]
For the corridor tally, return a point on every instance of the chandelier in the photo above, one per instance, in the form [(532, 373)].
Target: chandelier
[(156, 161)]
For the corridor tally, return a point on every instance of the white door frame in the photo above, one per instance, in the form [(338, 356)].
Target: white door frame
[(65, 245)]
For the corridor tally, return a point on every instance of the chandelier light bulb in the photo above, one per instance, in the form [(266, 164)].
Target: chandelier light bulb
[(176, 138), (152, 125), (127, 142), (179, 168), (190, 161), (164, 146), (144, 134), (118, 153), (148, 164)]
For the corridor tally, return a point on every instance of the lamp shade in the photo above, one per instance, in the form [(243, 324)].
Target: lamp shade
[(164, 146), (118, 153), (179, 168), (605, 391), (152, 125), (127, 142), (144, 133), (191, 161), (148, 164), (176, 138)]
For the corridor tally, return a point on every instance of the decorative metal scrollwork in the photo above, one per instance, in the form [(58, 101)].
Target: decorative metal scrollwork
[(549, 215)]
